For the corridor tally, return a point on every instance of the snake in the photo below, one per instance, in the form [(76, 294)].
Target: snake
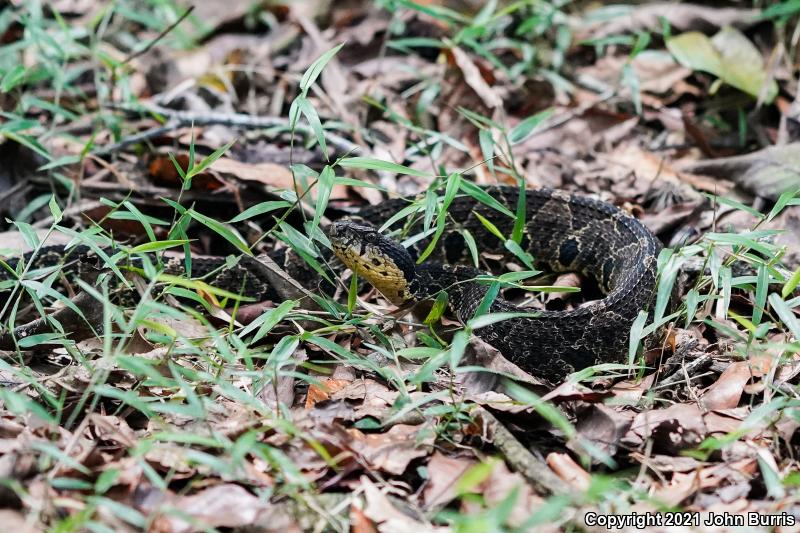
[(564, 233), (561, 232)]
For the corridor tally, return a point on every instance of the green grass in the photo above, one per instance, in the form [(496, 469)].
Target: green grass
[(196, 375)]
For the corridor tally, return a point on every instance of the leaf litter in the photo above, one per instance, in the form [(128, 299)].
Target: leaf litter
[(350, 415)]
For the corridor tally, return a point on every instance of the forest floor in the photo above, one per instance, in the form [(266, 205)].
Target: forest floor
[(231, 128)]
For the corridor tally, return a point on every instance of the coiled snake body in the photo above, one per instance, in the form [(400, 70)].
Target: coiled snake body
[(562, 232)]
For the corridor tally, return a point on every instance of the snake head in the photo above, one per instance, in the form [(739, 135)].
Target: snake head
[(383, 262)]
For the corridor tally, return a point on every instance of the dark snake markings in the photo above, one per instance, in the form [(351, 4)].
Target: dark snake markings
[(563, 233)]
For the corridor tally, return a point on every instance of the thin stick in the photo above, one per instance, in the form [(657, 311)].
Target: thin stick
[(136, 138), (176, 119), (533, 469)]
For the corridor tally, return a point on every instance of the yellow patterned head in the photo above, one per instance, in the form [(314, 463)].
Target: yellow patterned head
[(385, 264)]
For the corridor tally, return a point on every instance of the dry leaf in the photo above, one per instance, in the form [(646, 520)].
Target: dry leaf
[(317, 393), (474, 78), (226, 505), (271, 174), (443, 475), (283, 390), (393, 450), (359, 523), (680, 16), (376, 398), (603, 426), (497, 488), (388, 518), (667, 463), (16, 522), (480, 353), (769, 172), (727, 390), (651, 171), (568, 470), (682, 426), (630, 392), (680, 487)]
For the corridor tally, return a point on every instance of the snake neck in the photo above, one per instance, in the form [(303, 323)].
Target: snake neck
[(432, 278)]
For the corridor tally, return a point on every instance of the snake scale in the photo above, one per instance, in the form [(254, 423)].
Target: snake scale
[(563, 232)]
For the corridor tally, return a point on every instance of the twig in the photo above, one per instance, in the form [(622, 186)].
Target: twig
[(137, 138), (688, 372), (176, 119), (533, 469)]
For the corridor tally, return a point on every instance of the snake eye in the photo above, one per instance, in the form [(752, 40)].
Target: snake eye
[(371, 237)]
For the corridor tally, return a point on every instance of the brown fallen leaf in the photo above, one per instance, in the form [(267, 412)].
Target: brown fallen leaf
[(788, 369), (499, 402), (113, 429), (216, 13), (15, 521), (443, 474), (569, 279), (673, 216), (727, 390), (680, 487), (479, 353), (573, 390), (225, 505), (166, 457), (317, 393), (359, 523), (761, 363), (568, 470), (270, 174), (184, 327), (656, 70), (335, 79), (474, 78), (768, 172), (787, 426), (667, 463), (249, 312), (682, 424), (393, 450), (282, 391), (163, 172), (721, 422), (376, 398), (651, 171), (630, 392), (586, 128), (386, 516), (394, 71), (679, 16), (496, 489), (604, 426), (729, 480)]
